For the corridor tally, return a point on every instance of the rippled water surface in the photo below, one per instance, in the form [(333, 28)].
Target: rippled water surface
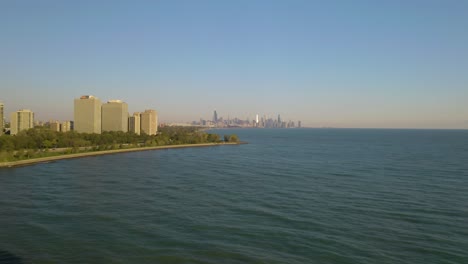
[(289, 196)]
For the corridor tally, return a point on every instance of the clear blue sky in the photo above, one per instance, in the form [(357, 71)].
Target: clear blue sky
[(327, 63)]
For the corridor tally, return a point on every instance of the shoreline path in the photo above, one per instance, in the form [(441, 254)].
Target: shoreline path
[(106, 152)]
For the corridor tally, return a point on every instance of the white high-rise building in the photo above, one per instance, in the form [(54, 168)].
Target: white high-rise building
[(134, 123), (149, 122), (87, 114), (115, 116), (21, 120)]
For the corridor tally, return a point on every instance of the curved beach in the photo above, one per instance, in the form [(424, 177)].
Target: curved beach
[(107, 152)]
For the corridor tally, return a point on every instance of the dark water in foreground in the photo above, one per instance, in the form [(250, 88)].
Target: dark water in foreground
[(290, 196)]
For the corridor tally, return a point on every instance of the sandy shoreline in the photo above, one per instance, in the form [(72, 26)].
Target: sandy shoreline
[(105, 152)]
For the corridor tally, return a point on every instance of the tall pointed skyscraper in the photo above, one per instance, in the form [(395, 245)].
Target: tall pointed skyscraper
[(215, 117)]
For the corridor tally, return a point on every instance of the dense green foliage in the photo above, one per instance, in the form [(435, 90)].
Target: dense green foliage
[(231, 138), (41, 141)]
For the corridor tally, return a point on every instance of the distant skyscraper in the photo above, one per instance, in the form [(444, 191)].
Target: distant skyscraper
[(299, 124), (149, 122), (215, 117), (279, 120), (134, 123), (21, 120), (114, 116), (256, 120), (87, 114), (2, 119)]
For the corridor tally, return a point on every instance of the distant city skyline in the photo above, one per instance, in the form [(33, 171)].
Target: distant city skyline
[(263, 121), (369, 64)]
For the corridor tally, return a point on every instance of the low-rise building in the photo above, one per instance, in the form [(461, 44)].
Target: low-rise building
[(65, 126), (55, 126)]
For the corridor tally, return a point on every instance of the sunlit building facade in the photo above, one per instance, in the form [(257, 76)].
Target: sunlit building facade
[(87, 114), (55, 126), (65, 126), (115, 116), (21, 120), (134, 123), (149, 122)]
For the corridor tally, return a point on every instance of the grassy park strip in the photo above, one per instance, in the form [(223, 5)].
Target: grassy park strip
[(32, 161)]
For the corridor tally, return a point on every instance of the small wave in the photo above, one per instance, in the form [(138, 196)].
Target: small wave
[(9, 258)]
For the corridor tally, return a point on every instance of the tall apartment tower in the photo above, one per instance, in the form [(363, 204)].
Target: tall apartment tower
[(21, 120), (115, 116), (134, 123), (87, 114), (2, 119), (215, 117), (149, 122)]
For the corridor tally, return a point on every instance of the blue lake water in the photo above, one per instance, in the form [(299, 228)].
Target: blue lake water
[(289, 196)]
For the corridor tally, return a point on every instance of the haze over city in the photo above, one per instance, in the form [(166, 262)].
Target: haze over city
[(392, 64)]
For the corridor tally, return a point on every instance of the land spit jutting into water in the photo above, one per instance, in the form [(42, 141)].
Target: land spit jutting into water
[(106, 152)]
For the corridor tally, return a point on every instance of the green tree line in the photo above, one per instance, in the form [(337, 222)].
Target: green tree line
[(33, 142)]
